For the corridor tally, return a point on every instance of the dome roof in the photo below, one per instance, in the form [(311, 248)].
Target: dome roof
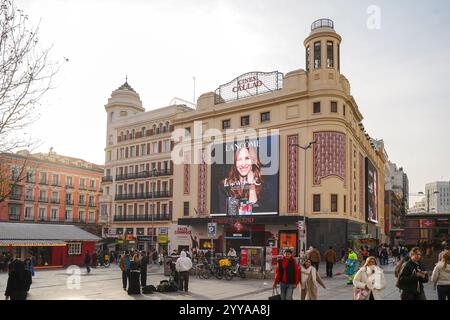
[(126, 86)]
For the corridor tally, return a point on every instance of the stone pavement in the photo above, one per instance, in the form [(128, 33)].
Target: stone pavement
[(106, 284)]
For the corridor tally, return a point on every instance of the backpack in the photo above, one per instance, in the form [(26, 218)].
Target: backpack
[(398, 271), (163, 286), (148, 289)]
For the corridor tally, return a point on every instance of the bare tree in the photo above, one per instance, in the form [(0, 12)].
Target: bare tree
[(25, 76)]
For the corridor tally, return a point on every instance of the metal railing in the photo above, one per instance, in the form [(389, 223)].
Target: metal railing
[(56, 201), (107, 179), (14, 196), (144, 174), (14, 217), (45, 200), (147, 218), (322, 23), (69, 202), (143, 195)]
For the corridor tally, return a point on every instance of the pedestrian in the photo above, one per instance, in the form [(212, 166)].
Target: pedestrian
[(134, 287), (330, 259), (314, 256), (441, 277), (343, 255), (350, 266), (143, 266), (183, 266), (441, 254), (287, 275), (395, 255), (87, 261), (369, 281), (125, 266), (28, 272), (412, 276), (161, 258), (94, 260), (16, 287), (364, 253), (309, 277)]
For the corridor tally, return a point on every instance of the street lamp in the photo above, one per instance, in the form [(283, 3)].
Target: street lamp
[(304, 148), (428, 198)]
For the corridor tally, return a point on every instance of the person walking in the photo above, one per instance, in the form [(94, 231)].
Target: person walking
[(330, 259), (441, 277), (87, 261), (314, 256), (125, 266), (441, 254), (183, 266), (350, 266), (412, 277), (17, 284), (309, 278), (287, 275), (369, 281), (143, 266), (134, 287)]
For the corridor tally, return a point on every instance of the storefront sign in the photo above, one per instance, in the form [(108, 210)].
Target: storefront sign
[(232, 221), (212, 230), (427, 223), (249, 85), (163, 239), (163, 230), (144, 238)]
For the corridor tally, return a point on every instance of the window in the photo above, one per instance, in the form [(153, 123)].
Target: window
[(41, 214), (330, 54), (155, 147), (186, 208), (54, 196), (121, 153), (82, 182), (130, 231), (91, 201), (14, 213), (339, 56), (316, 107), (43, 178), (68, 215), (54, 214), (245, 121), (334, 108), (226, 124), (119, 230), (344, 110), (166, 146), (308, 57), (28, 213), (82, 199), (317, 55), (42, 195), (92, 184), (316, 203), (29, 195), (141, 209), (81, 216), (345, 204), (164, 209), (334, 203), (30, 177), (187, 132), (74, 248), (142, 153), (140, 231), (56, 180), (91, 217), (14, 174), (69, 181), (109, 155), (265, 116), (143, 131), (130, 210), (132, 152)]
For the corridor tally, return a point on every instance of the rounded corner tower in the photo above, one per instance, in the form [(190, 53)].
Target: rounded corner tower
[(124, 101)]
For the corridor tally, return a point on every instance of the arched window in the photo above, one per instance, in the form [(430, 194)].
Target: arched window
[(167, 126), (143, 131), (132, 134), (127, 135)]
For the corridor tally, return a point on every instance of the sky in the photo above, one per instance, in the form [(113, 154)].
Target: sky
[(395, 56)]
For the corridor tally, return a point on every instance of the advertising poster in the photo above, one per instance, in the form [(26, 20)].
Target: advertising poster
[(245, 182), (371, 192)]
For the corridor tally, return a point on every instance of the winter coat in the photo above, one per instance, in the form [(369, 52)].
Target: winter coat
[(408, 280), (375, 281), (314, 256), (18, 281), (441, 276), (183, 263), (87, 259), (287, 272), (125, 263), (309, 278), (330, 256)]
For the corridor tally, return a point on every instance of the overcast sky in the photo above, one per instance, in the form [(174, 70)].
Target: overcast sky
[(399, 72)]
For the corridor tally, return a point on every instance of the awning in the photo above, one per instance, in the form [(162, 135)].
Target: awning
[(32, 243)]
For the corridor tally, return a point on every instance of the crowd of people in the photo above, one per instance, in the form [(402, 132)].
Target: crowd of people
[(364, 271)]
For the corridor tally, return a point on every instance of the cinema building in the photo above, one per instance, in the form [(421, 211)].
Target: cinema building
[(257, 203)]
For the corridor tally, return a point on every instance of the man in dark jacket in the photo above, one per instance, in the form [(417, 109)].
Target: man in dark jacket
[(87, 261), (330, 259), (412, 276), (16, 287), (143, 266), (287, 275)]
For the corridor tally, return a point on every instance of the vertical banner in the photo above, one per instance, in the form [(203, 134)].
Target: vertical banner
[(371, 192)]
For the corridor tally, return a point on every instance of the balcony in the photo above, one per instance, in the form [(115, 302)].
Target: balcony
[(82, 187), (69, 186), (29, 198), (69, 202), (55, 201), (14, 217), (42, 219), (43, 182), (143, 195), (93, 189), (91, 204), (107, 179), (144, 174), (27, 180), (56, 184), (44, 200), (146, 218), (81, 203)]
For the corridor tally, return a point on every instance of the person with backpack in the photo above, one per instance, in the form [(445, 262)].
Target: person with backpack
[(125, 266), (183, 266), (412, 276), (287, 275), (441, 277)]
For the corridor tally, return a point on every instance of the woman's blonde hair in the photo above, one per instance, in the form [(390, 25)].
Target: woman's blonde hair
[(446, 259), (368, 259), (135, 257)]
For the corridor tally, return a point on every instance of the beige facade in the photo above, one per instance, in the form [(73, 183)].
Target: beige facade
[(292, 112)]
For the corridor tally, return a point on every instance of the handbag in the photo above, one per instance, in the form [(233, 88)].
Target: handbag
[(361, 294), (275, 295)]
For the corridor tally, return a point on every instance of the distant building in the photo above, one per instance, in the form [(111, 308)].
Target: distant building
[(50, 188), (437, 197)]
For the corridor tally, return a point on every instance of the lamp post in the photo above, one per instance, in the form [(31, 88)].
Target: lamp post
[(304, 148), (428, 198)]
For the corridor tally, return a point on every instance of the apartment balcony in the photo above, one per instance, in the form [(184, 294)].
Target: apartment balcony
[(91, 205), (43, 182), (70, 186), (143, 195), (144, 174), (43, 200), (15, 196), (30, 181), (69, 202), (29, 198), (30, 218), (107, 179), (143, 218), (93, 189), (56, 184), (55, 201), (81, 203), (14, 217), (82, 188)]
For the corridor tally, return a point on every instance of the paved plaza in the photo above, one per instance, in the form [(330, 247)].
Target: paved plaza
[(106, 284)]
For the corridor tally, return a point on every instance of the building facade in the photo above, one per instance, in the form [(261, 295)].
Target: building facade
[(344, 181), (437, 197), (138, 180), (51, 188)]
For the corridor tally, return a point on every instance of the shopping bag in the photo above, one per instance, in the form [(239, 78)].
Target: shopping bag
[(361, 294), (275, 294)]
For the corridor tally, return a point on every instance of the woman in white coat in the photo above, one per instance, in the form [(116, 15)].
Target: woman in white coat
[(370, 280), (309, 278)]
